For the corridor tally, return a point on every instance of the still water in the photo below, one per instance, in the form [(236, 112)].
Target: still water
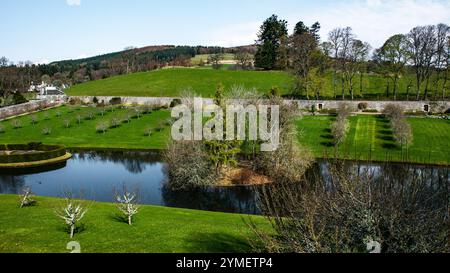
[(95, 175)]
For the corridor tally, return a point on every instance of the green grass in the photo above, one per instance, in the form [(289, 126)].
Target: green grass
[(196, 60), (170, 82), (370, 138), (156, 230), (127, 136)]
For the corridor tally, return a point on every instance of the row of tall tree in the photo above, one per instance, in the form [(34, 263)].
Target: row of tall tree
[(425, 50), (422, 57)]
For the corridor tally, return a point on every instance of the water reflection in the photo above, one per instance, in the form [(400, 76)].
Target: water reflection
[(98, 173)]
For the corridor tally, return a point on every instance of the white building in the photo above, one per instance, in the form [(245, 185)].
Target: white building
[(46, 90)]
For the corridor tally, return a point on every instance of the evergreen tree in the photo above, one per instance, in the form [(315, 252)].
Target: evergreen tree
[(269, 40)]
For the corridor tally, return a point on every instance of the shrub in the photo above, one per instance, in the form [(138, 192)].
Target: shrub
[(16, 124), (393, 111), (345, 110), (79, 119), (275, 92), (34, 119), (67, 123), (148, 132), (402, 131), (102, 127), (169, 122), (114, 122), (339, 130), (175, 103), (127, 117), (95, 100), (363, 106), (188, 166), (403, 212), (138, 112), (18, 98), (90, 115), (147, 108), (46, 130), (74, 101), (27, 198)]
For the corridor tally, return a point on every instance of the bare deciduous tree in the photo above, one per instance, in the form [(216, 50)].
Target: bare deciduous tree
[(344, 210), (421, 44), (127, 203), (72, 213), (27, 197)]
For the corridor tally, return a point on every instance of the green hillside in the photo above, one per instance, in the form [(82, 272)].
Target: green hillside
[(170, 82)]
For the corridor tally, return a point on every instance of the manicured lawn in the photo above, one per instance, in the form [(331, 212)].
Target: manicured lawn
[(156, 230), (370, 138), (126, 136), (170, 82)]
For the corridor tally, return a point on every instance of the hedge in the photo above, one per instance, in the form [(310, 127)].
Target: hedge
[(44, 152)]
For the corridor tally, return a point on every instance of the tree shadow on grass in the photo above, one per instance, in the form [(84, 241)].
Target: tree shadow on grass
[(327, 138), (217, 243), (80, 228)]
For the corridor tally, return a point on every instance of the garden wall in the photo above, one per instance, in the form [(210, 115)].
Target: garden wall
[(28, 107), (410, 106)]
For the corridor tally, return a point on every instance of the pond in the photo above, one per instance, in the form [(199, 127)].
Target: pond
[(96, 174)]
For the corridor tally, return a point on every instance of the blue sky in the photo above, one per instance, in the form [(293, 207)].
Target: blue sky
[(48, 30)]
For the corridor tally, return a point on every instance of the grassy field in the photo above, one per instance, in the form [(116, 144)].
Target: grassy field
[(170, 82), (370, 138), (84, 135), (204, 57), (156, 230)]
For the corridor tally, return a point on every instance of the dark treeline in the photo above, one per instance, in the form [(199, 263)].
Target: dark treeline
[(18, 77), (420, 57)]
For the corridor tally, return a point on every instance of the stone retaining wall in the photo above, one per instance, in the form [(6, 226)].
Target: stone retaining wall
[(410, 106), (28, 107)]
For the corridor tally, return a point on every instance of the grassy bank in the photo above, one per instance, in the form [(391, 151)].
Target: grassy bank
[(370, 138), (204, 81), (84, 135), (170, 82), (156, 229)]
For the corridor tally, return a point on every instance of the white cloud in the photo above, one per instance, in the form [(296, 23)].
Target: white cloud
[(375, 21), (235, 35), (73, 2)]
